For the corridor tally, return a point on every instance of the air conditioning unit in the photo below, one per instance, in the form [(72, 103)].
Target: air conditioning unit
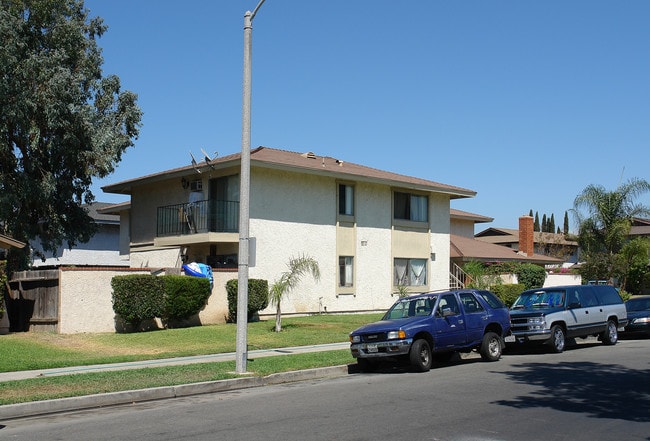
[(196, 185)]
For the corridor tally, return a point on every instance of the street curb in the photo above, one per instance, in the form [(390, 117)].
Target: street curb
[(39, 408)]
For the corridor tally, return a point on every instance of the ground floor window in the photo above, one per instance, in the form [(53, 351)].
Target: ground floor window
[(410, 272), (346, 274)]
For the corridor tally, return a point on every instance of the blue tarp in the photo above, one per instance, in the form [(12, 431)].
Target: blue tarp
[(199, 270)]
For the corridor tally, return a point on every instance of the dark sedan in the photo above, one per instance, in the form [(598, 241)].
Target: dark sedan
[(638, 315)]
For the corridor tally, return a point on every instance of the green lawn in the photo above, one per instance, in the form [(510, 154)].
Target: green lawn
[(26, 351)]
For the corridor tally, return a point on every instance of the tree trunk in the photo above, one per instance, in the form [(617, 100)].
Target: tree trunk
[(278, 319)]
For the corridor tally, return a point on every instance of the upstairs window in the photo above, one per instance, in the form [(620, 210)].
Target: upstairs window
[(410, 207), (346, 200)]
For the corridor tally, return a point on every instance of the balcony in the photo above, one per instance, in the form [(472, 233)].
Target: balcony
[(209, 216)]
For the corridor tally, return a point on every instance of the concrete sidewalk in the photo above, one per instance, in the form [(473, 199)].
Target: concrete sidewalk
[(23, 410)]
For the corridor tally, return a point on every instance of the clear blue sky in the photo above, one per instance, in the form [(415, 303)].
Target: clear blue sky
[(525, 102)]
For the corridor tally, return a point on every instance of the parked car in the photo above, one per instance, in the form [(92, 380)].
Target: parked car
[(421, 326), (638, 315), (551, 315)]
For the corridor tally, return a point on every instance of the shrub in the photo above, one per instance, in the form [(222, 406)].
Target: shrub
[(140, 297), (184, 296), (508, 293), (258, 297), (530, 275), (137, 297)]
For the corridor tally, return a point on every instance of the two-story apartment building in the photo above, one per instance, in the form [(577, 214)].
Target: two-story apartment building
[(370, 230)]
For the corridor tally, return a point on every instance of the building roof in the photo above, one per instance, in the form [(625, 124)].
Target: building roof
[(115, 209), (97, 212), (466, 249), (265, 157), (511, 236), (8, 242), (465, 215), (640, 227)]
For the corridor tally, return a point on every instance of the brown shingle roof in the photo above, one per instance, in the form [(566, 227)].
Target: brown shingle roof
[(7, 242), (509, 235), (477, 218), (466, 249), (302, 163)]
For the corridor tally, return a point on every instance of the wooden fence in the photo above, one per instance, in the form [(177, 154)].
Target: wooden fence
[(32, 301)]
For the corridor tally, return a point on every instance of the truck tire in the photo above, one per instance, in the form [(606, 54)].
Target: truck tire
[(610, 335), (558, 339), (491, 347), (420, 355)]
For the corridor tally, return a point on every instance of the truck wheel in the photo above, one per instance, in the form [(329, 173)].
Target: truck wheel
[(558, 339), (420, 355), (365, 365), (491, 347), (610, 336)]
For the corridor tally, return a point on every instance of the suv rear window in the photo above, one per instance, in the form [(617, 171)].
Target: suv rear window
[(607, 295)]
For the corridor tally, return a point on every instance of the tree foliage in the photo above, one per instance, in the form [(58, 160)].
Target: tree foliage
[(62, 121), (604, 228), (298, 267)]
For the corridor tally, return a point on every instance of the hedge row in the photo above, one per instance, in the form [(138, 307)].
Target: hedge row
[(140, 297), (258, 297), (508, 293)]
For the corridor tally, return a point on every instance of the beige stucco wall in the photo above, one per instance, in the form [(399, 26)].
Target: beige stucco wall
[(86, 300), (462, 227), (295, 214)]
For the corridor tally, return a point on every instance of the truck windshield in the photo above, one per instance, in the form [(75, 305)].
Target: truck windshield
[(539, 299), (421, 306)]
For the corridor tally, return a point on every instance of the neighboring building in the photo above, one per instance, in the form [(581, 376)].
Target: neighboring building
[(640, 228), (370, 230), (101, 250), (7, 242), (463, 222), (553, 245), (465, 248)]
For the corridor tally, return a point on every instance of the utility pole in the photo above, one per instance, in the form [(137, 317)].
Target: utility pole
[(241, 354)]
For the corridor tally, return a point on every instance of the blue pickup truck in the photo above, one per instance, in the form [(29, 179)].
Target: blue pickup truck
[(419, 327)]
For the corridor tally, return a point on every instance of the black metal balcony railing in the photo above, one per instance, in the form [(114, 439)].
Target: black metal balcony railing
[(198, 217)]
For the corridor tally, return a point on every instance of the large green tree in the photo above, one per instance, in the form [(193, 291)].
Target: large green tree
[(604, 225), (62, 122)]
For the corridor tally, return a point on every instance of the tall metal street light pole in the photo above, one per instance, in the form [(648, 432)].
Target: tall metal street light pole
[(241, 353)]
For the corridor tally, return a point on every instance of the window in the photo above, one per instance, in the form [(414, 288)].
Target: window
[(410, 207), (448, 305), (346, 200), (470, 304), (346, 274), (410, 272)]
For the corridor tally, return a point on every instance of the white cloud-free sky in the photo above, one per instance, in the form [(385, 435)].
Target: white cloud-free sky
[(525, 102)]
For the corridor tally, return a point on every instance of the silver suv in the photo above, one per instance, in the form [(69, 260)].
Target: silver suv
[(551, 315)]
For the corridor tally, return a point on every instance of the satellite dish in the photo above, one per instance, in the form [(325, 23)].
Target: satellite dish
[(208, 159), (194, 163)]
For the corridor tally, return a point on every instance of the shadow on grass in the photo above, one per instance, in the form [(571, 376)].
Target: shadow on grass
[(598, 390)]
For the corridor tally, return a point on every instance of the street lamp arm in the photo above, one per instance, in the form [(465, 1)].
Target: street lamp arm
[(256, 9)]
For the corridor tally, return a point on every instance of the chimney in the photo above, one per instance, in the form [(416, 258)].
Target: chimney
[(526, 236)]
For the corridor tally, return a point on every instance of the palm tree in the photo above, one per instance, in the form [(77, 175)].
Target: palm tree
[(609, 215), (298, 267), (604, 230)]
